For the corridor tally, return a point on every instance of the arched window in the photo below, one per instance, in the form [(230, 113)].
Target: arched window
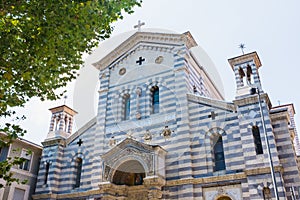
[(249, 73), (78, 168), (56, 123), (66, 123), (257, 140), (242, 75), (46, 172), (126, 107), (155, 99), (218, 154), (267, 193)]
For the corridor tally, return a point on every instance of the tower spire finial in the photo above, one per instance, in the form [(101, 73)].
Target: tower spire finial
[(242, 47)]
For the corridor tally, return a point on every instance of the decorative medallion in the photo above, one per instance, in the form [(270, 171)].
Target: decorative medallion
[(122, 71), (159, 59)]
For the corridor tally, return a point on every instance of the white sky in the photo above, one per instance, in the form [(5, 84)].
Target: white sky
[(270, 27)]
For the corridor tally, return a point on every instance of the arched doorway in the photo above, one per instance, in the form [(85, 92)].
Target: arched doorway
[(224, 198), (129, 173)]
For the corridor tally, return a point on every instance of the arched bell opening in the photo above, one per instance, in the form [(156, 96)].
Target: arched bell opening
[(129, 173)]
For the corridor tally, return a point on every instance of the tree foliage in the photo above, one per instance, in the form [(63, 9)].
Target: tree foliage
[(42, 43), (6, 165)]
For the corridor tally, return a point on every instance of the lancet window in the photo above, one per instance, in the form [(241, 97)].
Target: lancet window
[(249, 73), (47, 167), (78, 169), (257, 140), (126, 107), (242, 75), (154, 100), (218, 154)]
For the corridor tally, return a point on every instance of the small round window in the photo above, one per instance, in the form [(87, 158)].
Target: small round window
[(122, 71)]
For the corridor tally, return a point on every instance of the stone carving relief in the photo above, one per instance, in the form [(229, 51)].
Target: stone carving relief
[(129, 151), (232, 191), (106, 172), (221, 191), (166, 132), (159, 60), (112, 141), (147, 136), (236, 194)]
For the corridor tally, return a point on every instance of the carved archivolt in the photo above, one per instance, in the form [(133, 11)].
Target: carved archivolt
[(128, 154), (232, 192), (129, 150)]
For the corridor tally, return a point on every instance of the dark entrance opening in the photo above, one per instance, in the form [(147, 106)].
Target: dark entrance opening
[(129, 173)]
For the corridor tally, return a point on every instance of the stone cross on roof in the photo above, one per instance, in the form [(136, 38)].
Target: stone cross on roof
[(139, 25)]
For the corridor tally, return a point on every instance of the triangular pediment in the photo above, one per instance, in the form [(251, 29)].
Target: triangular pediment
[(151, 158), (131, 144), (145, 37)]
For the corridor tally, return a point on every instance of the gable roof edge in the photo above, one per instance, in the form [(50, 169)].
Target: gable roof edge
[(84, 128), (212, 102), (138, 37)]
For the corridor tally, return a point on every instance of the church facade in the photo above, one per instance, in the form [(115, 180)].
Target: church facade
[(164, 131)]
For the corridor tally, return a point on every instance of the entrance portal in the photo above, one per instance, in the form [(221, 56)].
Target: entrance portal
[(129, 173)]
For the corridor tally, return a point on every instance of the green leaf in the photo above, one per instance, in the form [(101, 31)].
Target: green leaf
[(41, 47)]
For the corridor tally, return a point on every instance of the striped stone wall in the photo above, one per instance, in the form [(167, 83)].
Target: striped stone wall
[(287, 154), (194, 119)]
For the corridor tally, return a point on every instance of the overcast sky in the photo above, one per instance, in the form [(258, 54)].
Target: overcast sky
[(270, 27)]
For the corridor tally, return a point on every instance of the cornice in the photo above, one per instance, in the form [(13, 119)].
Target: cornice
[(226, 177), (55, 141), (63, 108), (280, 114), (245, 58), (251, 99)]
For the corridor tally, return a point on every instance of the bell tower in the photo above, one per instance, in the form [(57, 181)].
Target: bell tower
[(61, 122), (245, 68)]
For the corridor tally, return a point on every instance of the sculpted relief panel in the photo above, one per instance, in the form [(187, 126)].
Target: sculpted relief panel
[(129, 151)]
